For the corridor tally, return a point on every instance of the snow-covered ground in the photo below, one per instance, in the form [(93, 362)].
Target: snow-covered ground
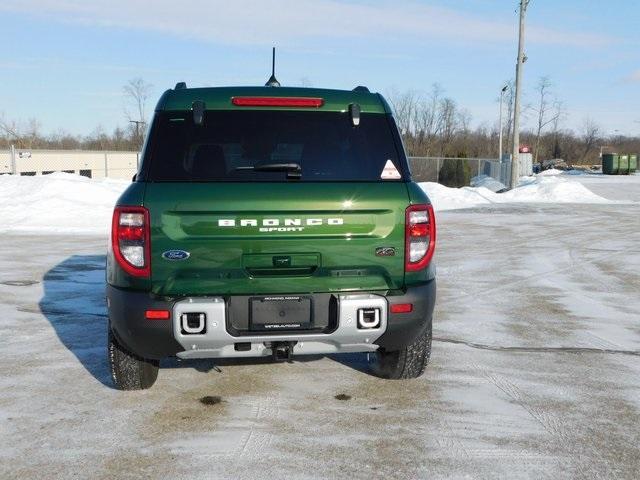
[(67, 203), (535, 371), (550, 186)]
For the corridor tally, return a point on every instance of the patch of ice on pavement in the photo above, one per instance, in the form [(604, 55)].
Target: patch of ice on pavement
[(58, 203), (536, 189)]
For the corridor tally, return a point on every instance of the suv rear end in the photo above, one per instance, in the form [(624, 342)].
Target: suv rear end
[(271, 222)]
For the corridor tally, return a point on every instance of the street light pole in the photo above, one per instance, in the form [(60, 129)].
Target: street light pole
[(504, 89), (515, 161), (137, 123)]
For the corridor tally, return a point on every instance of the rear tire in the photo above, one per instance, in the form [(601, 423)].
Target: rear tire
[(408, 362), (129, 371)]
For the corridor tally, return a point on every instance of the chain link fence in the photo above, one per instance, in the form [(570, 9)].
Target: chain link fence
[(459, 172), (92, 164), (453, 172)]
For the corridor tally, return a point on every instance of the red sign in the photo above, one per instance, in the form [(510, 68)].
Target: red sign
[(525, 149)]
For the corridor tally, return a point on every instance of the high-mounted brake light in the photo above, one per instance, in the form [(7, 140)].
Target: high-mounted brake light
[(420, 237), (277, 102), (130, 240)]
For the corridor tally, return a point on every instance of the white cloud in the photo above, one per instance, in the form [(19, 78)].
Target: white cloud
[(291, 22)]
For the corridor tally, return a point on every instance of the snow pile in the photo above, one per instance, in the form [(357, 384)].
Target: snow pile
[(487, 182), (446, 198), (551, 189), (547, 188), (552, 172), (58, 202)]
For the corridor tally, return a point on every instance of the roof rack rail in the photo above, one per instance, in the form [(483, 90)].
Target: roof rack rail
[(180, 86), (361, 88)]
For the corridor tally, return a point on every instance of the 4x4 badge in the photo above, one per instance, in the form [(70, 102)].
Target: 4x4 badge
[(385, 251), (175, 255)]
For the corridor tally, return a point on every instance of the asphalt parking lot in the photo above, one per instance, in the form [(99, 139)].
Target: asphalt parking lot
[(535, 370)]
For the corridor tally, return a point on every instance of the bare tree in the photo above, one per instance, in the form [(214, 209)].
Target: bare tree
[(449, 121), (547, 111), (428, 122), (557, 117), (137, 93), (10, 130), (589, 134), (24, 136), (427, 125), (404, 106), (32, 132)]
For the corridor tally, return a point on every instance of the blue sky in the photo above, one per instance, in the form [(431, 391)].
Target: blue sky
[(64, 62)]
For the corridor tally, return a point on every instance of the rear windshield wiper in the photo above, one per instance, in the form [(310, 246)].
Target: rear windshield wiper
[(294, 170)]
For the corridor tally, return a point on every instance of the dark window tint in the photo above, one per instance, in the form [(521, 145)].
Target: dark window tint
[(325, 145)]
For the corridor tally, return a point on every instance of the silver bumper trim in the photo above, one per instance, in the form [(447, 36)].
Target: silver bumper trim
[(216, 342)]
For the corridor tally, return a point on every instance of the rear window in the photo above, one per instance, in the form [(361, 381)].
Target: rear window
[(325, 145)]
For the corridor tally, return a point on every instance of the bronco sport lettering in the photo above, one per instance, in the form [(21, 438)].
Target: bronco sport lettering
[(274, 224)]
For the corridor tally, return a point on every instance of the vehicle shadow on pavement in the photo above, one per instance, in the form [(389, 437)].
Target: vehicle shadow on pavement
[(74, 303)]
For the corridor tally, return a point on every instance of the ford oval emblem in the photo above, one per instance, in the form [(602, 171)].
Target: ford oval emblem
[(175, 255)]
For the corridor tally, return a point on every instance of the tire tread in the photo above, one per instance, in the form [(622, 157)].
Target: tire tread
[(128, 370), (408, 362)]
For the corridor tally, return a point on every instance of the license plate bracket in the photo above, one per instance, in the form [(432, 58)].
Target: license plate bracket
[(276, 313)]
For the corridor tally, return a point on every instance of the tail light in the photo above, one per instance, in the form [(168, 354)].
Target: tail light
[(130, 240), (420, 237)]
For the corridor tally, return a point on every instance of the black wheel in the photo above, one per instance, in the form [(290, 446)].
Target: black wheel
[(129, 371), (408, 362)]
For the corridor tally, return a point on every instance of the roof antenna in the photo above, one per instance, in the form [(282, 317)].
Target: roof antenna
[(273, 82)]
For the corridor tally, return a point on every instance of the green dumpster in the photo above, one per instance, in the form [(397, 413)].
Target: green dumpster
[(623, 165), (633, 163), (610, 163)]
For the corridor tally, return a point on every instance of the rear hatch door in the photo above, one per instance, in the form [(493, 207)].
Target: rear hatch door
[(248, 238)]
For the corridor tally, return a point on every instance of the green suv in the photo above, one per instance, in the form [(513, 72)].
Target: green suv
[(271, 222)]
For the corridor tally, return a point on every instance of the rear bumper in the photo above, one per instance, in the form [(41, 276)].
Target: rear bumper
[(151, 339), (157, 339)]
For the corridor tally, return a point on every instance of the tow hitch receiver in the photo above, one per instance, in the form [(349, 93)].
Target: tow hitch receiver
[(282, 351)]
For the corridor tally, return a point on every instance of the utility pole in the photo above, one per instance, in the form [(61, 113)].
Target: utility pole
[(504, 89), (515, 161), (137, 124)]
